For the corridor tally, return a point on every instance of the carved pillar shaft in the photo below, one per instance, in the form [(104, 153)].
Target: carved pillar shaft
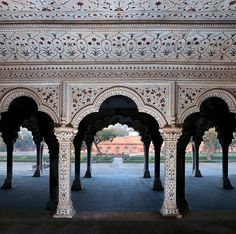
[(76, 186), (194, 156), (157, 186), (77, 160), (39, 148), (146, 145), (196, 170), (9, 160), (9, 141), (89, 142), (170, 136), (225, 164), (65, 207)]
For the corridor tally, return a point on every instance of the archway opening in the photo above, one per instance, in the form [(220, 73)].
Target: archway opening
[(122, 110), (23, 112), (211, 172)]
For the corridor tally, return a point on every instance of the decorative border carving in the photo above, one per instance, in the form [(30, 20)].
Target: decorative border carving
[(13, 93), (118, 90), (215, 92), (118, 72), (130, 45), (116, 10)]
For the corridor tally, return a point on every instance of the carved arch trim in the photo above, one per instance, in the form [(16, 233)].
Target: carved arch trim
[(20, 92), (226, 96), (124, 91)]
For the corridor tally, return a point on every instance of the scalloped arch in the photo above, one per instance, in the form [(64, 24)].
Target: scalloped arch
[(226, 96), (113, 91), (20, 92)]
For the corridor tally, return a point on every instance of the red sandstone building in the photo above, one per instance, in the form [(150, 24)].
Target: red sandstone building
[(122, 145)]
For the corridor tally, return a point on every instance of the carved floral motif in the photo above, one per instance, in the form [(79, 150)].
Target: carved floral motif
[(65, 136), (83, 96), (2, 91), (170, 136), (50, 96), (156, 96), (80, 46), (188, 95), (117, 9), (233, 91)]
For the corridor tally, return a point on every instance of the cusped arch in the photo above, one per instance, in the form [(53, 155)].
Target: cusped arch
[(226, 96), (12, 94), (123, 91)]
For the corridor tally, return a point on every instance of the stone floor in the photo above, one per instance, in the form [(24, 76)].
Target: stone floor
[(118, 200)]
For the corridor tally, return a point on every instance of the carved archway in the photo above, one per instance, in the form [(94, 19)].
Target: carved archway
[(226, 96), (20, 92), (123, 91)]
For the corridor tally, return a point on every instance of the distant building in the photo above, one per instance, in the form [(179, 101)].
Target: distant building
[(122, 145)]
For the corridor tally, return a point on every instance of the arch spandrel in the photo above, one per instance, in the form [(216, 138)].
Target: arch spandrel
[(123, 91), (225, 95), (12, 94)]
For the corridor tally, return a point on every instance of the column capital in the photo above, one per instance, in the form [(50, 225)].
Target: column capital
[(170, 133), (65, 133)]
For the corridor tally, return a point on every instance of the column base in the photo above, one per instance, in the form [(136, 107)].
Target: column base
[(147, 174), (37, 173), (64, 213), (182, 205), (7, 184), (76, 186), (52, 205), (88, 174), (227, 184), (197, 173), (166, 212), (157, 186)]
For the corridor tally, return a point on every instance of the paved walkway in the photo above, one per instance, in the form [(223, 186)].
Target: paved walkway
[(118, 187), (118, 200)]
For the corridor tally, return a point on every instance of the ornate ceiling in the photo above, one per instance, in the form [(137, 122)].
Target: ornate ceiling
[(117, 9), (144, 38)]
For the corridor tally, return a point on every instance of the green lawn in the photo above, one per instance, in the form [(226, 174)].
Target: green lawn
[(32, 158), (215, 157)]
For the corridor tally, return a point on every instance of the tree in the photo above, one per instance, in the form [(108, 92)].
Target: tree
[(103, 135), (108, 134), (2, 145), (24, 141), (120, 130), (211, 142)]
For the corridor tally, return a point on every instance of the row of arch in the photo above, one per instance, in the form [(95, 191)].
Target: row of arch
[(225, 95), (129, 106)]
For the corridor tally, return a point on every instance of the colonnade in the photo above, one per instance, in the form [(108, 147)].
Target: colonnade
[(60, 139)]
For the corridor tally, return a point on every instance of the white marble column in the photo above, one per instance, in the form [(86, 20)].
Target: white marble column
[(170, 136), (65, 136)]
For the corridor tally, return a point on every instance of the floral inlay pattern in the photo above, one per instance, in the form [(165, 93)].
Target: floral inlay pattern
[(233, 91), (156, 96), (163, 45), (187, 96), (49, 96), (82, 97), (2, 91), (117, 9)]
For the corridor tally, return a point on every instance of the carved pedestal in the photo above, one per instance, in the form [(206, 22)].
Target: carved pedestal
[(170, 136), (65, 207)]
